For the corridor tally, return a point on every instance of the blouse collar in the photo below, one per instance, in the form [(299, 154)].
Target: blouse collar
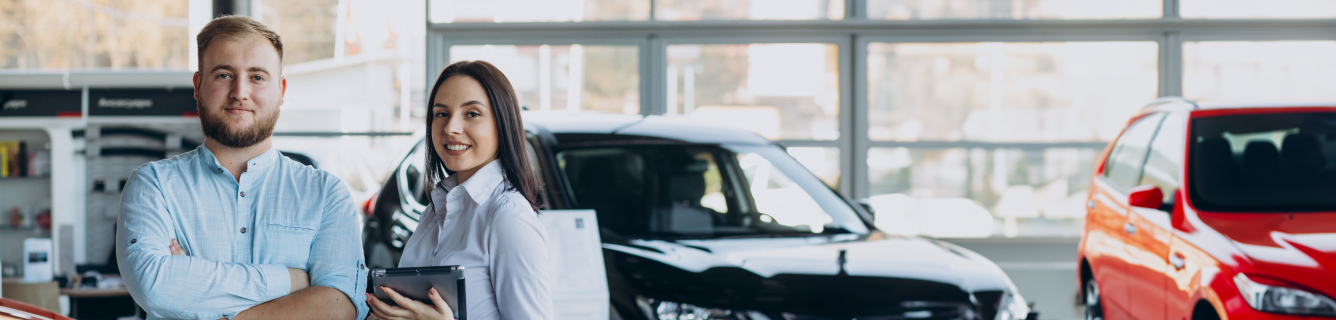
[(478, 187)]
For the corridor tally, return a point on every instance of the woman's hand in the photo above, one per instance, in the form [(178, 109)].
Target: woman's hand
[(409, 309)]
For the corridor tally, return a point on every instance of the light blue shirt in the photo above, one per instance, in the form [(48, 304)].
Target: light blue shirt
[(488, 228), (239, 237)]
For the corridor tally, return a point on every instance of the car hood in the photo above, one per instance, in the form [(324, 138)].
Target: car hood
[(838, 274), (1299, 247)]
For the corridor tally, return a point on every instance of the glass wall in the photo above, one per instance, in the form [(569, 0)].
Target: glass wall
[(973, 99), (452, 11), (1252, 9), (749, 10), (1012, 92), (566, 77), (1255, 71), (787, 90), (1012, 9), (150, 34)]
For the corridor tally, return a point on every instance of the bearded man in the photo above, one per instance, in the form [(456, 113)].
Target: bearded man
[(233, 229)]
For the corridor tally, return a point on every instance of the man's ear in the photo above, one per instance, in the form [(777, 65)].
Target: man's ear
[(196, 83), (283, 90)]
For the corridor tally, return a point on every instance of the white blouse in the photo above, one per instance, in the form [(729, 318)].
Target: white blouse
[(496, 236)]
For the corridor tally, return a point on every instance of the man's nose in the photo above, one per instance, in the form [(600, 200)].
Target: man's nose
[(240, 89)]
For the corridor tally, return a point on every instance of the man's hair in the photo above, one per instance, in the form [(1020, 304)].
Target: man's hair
[(235, 28)]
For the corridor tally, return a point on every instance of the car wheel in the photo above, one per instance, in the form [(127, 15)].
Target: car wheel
[(1094, 310)]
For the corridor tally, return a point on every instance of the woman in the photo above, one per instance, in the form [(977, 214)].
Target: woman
[(483, 211)]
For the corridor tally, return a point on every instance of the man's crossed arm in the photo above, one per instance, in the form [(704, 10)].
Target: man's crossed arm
[(315, 303), (184, 287)]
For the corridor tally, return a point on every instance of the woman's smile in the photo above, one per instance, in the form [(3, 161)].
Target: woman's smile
[(456, 149)]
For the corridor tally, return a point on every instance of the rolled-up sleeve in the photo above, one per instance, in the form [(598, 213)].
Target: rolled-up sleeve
[(182, 287), (517, 244), (336, 254)]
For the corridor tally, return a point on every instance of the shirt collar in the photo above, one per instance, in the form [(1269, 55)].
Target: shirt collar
[(256, 164), (478, 187)]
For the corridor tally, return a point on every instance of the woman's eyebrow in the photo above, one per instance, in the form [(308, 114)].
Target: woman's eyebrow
[(469, 103)]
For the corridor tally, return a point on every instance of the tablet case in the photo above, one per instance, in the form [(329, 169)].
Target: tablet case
[(414, 283)]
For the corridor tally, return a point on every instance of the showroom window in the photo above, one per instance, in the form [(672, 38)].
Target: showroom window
[(1257, 70), (601, 78), (789, 90), (1015, 92), (997, 110), (680, 10), (1258, 9), (1012, 9), (150, 34)]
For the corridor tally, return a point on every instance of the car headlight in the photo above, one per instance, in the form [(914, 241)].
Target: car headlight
[(669, 310), (1279, 299), (1013, 307)]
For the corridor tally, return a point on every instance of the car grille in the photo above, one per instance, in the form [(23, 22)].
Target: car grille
[(912, 310)]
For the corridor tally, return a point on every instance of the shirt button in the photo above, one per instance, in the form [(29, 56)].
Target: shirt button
[(243, 193), (133, 240), (243, 230), (220, 170)]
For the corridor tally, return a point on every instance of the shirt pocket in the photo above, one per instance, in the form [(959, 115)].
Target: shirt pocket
[(287, 242)]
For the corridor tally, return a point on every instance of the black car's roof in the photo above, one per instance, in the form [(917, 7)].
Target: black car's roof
[(665, 127)]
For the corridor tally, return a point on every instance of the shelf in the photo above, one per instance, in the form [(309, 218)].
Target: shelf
[(27, 178)]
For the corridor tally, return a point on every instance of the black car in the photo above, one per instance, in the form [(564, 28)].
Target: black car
[(712, 223)]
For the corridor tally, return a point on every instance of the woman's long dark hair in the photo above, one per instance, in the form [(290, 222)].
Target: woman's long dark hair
[(509, 129)]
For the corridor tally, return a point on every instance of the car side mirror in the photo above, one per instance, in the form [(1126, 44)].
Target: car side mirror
[(867, 205), (1147, 196)]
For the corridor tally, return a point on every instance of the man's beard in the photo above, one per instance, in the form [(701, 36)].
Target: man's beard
[(215, 128)]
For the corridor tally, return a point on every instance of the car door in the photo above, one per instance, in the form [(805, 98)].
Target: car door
[(1108, 233), (1150, 230)]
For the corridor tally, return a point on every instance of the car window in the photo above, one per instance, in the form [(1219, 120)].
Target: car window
[(781, 200), (536, 165), (698, 191), (1123, 166), (1166, 156), (414, 175), (1264, 162)]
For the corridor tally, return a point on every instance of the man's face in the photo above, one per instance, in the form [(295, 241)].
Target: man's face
[(238, 90)]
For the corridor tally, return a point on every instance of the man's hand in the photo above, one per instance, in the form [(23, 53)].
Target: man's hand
[(300, 280), (176, 248)]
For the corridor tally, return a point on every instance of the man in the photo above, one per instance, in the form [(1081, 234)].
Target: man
[(255, 235)]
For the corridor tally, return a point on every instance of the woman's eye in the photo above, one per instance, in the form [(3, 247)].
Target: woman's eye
[(474, 114), (442, 115)]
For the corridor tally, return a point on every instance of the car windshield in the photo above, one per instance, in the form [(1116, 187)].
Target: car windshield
[(702, 192), (1264, 162)]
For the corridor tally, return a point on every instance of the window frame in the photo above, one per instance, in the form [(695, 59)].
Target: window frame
[(852, 35)]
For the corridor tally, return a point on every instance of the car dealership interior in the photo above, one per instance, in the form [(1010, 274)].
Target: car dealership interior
[(789, 159)]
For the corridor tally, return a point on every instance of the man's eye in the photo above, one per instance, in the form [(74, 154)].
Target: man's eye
[(257, 78), (224, 76)]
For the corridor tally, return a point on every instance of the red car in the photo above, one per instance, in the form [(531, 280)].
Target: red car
[(1214, 212)]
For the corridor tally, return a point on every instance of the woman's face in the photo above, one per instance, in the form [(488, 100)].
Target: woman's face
[(462, 128)]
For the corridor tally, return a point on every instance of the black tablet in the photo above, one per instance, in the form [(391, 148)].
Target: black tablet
[(414, 283)]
